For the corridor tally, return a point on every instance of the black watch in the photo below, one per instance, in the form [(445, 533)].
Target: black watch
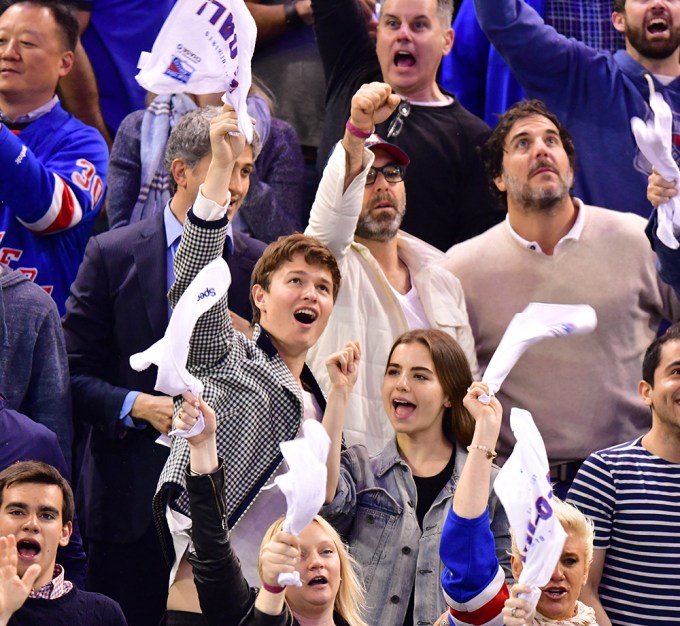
[(293, 19)]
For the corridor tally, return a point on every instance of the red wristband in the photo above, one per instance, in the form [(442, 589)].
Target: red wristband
[(357, 132), (271, 588)]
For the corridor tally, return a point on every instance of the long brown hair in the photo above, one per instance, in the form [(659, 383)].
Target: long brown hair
[(454, 375)]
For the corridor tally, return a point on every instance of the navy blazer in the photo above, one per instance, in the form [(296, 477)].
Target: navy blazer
[(117, 307)]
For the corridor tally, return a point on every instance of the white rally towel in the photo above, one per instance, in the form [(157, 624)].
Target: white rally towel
[(523, 487), (655, 140), (171, 351), (537, 321), (304, 485), (204, 46)]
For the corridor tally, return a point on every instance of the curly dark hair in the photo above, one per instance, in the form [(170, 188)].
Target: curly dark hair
[(491, 153)]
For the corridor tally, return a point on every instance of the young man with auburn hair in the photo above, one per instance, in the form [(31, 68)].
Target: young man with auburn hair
[(260, 388), (36, 517)]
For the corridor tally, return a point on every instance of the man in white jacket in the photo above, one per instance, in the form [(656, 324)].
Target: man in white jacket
[(390, 283)]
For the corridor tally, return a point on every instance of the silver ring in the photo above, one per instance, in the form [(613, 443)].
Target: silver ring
[(514, 610)]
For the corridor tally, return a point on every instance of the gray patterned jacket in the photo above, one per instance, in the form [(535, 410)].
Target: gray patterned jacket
[(256, 398)]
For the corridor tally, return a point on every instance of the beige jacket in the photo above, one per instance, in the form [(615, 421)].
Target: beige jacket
[(367, 308)]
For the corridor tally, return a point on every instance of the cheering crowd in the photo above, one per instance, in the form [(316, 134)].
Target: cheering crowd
[(399, 181)]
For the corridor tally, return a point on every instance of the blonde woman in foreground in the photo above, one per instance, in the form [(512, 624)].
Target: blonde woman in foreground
[(473, 581)]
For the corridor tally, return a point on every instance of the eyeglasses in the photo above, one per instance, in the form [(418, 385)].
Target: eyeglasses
[(397, 124), (392, 172)]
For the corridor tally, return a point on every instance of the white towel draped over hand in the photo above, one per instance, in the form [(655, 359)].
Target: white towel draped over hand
[(204, 46), (304, 485), (655, 140), (523, 486), (537, 321), (171, 351)]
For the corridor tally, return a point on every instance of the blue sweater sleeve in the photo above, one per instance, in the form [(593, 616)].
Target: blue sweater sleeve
[(473, 580), (541, 59), (475, 71)]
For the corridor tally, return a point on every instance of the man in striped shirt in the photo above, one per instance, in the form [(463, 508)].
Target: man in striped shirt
[(632, 493)]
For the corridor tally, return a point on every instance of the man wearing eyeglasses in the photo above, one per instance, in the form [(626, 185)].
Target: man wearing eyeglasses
[(390, 283), (446, 180)]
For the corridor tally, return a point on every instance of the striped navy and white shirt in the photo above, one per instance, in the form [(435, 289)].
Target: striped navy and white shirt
[(633, 497)]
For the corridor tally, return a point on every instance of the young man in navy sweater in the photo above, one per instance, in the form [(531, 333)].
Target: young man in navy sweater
[(36, 517)]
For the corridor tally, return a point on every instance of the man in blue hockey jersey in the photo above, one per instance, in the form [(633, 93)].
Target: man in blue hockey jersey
[(52, 167)]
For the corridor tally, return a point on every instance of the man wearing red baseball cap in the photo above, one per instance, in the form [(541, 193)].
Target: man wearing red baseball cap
[(391, 283)]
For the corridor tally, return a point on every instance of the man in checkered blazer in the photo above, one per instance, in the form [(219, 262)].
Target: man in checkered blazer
[(260, 388)]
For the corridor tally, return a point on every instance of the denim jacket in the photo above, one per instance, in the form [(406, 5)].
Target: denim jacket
[(375, 509)]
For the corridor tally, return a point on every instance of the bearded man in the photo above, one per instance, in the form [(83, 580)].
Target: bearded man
[(553, 248), (389, 281), (595, 93)]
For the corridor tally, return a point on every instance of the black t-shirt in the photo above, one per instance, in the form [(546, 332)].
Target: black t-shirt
[(427, 489), (447, 190)]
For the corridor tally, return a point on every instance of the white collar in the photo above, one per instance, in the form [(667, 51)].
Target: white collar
[(34, 114), (574, 232)]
